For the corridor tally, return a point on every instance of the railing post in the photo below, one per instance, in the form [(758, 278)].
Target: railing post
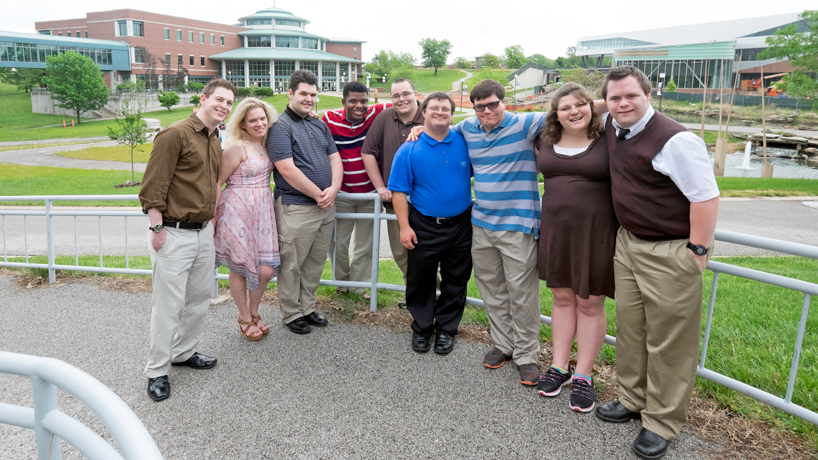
[(376, 257), (45, 401), (709, 318), (49, 230), (796, 355)]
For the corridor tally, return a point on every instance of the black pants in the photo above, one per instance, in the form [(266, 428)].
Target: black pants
[(447, 244)]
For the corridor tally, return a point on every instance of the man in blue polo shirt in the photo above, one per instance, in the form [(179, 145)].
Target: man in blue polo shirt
[(435, 228)]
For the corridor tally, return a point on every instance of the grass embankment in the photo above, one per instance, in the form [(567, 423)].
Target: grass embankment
[(752, 334), (20, 124), (18, 180), (480, 75)]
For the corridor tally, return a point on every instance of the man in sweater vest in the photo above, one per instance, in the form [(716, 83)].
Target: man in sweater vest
[(667, 201)]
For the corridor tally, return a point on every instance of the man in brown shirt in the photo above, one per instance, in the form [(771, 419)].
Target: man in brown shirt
[(387, 133), (179, 195)]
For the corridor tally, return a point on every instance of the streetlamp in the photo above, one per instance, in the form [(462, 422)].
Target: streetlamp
[(463, 89)]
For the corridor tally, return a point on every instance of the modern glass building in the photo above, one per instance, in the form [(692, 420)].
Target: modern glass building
[(710, 54)]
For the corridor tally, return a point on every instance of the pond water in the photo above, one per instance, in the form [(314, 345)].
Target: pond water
[(783, 168), (684, 118)]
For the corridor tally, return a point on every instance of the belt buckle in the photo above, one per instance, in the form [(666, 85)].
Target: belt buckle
[(441, 220)]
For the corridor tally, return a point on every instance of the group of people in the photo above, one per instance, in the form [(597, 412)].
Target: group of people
[(628, 212)]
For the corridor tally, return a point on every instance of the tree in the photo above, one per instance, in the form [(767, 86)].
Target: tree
[(149, 67), (463, 63), (592, 81), (75, 82), (385, 62), (25, 79), (131, 129), (541, 60), (515, 57), (196, 87), (800, 45), (435, 52), (671, 86), (195, 100), (168, 99), (490, 61)]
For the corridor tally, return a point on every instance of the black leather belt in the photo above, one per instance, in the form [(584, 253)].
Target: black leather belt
[(185, 225)]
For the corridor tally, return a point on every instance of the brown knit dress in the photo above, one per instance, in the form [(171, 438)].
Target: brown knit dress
[(578, 230)]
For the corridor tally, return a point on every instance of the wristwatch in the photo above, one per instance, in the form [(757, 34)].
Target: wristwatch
[(697, 249), (157, 228)]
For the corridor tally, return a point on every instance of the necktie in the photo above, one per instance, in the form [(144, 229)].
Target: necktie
[(622, 133)]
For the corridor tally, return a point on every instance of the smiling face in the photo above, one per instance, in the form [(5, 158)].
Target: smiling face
[(404, 98), (573, 114), (489, 117), (255, 124), (216, 108), (355, 105), (438, 115), (302, 99), (627, 101)]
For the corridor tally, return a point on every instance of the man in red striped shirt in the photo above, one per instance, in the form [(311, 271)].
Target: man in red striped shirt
[(348, 127)]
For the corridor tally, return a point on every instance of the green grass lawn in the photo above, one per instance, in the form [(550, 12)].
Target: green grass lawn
[(480, 75), (111, 153), (427, 82), (751, 186), (18, 180)]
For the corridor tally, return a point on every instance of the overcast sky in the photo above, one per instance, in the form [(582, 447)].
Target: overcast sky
[(474, 27)]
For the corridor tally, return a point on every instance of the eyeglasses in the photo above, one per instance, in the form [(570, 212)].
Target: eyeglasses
[(438, 109), (406, 95), (490, 106)]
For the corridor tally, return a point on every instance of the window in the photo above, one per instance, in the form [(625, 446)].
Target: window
[(201, 37), (122, 28), (258, 42), (180, 61), (190, 37), (167, 58), (44, 32), (212, 39), (259, 22), (167, 34), (192, 60), (284, 68), (312, 66), (286, 42), (78, 33), (309, 43), (69, 34), (328, 69), (178, 35), (203, 61), (138, 30), (86, 34), (221, 39), (288, 22), (260, 68), (354, 48), (139, 55), (355, 53), (60, 34)]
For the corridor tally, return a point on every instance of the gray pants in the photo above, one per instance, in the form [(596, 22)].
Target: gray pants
[(360, 269)]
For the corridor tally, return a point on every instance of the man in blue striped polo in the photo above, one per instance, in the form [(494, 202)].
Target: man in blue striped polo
[(506, 225)]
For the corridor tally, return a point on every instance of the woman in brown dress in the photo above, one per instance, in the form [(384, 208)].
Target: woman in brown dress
[(576, 239)]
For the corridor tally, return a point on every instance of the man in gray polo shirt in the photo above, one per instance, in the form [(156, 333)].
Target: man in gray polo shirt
[(308, 173)]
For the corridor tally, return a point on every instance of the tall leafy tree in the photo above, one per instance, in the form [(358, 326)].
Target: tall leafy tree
[(463, 63), (387, 62), (799, 43), (515, 57), (490, 61), (541, 60), (25, 79), (76, 83), (435, 52), (131, 129)]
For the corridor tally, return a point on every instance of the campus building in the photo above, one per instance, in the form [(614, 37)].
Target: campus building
[(692, 55), (261, 49)]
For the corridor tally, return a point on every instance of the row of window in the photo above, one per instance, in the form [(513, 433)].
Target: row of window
[(686, 73), (235, 69), (137, 29), (191, 36), (264, 41), (269, 22), (30, 52), (48, 32)]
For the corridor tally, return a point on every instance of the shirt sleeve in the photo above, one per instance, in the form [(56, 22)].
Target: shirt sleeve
[(458, 128), (684, 159), (279, 142), (331, 148), (160, 170), (401, 178), (538, 121), (374, 138)]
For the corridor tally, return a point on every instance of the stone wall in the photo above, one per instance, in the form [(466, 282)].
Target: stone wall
[(41, 102)]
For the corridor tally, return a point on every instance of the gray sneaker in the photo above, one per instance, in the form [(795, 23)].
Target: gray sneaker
[(495, 358), (529, 374)]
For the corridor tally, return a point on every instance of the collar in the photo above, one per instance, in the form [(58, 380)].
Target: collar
[(418, 120), (639, 126), (433, 142), (506, 120), (199, 126), (296, 117)]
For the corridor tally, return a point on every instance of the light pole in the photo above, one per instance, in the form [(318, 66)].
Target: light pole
[(463, 88)]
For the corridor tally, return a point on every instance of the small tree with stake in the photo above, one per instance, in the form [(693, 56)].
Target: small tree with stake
[(131, 130)]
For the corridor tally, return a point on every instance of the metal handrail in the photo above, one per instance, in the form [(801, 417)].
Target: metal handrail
[(50, 425)]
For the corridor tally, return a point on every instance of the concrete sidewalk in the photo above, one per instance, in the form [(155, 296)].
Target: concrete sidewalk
[(342, 392)]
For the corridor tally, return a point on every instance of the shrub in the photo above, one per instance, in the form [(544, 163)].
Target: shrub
[(244, 91), (168, 99), (195, 87), (671, 86), (264, 91), (195, 100)]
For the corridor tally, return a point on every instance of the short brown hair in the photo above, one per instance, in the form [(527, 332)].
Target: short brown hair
[(553, 129), (439, 96), (622, 72), (218, 83), (402, 80), (487, 88)]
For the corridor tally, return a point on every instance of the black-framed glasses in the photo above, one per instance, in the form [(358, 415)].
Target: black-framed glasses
[(490, 106), (406, 95)]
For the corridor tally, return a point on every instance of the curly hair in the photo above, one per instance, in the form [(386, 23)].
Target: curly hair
[(235, 132), (553, 129)]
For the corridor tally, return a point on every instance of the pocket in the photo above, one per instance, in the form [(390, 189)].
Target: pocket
[(695, 264)]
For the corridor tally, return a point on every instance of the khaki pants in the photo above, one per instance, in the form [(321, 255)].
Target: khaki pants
[(505, 269), (658, 325), (304, 237), (182, 287), (361, 267), (399, 253)]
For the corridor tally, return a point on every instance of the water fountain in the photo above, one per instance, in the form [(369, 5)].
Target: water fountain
[(747, 149)]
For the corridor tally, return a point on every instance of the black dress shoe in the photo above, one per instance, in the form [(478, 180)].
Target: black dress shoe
[(444, 344), (649, 445), (299, 326), (420, 343), (316, 319), (616, 412), (198, 361), (159, 388)]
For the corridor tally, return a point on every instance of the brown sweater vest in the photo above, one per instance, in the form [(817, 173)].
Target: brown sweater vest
[(647, 203)]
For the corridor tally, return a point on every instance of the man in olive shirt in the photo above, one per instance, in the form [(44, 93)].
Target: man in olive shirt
[(387, 133), (179, 195)]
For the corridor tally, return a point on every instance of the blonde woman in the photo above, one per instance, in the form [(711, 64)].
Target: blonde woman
[(246, 238)]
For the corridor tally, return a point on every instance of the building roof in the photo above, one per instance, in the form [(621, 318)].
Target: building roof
[(281, 53), (273, 12), (345, 40), (55, 39), (721, 31)]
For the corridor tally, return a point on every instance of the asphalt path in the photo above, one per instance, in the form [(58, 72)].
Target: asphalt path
[(785, 219), (46, 156), (342, 392)]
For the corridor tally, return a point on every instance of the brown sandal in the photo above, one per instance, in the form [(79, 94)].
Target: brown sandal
[(244, 328), (261, 325)]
